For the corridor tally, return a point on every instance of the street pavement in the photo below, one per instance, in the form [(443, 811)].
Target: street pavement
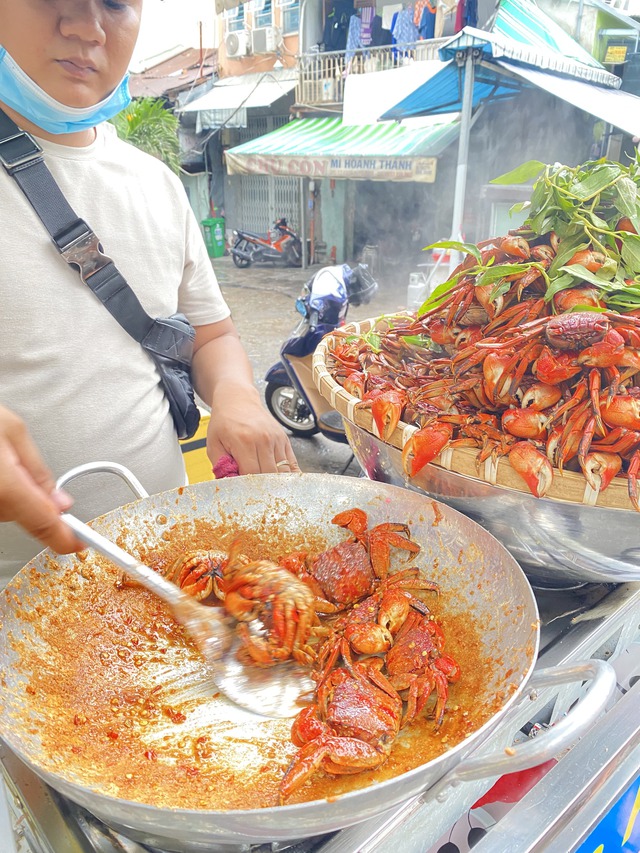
[(262, 302)]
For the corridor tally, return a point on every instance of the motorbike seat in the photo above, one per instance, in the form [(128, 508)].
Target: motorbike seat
[(254, 235)]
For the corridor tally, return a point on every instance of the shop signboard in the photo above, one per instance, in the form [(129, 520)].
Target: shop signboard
[(390, 168)]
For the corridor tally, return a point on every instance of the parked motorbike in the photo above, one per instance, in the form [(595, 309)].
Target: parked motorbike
[(291, 395), (282, 244)]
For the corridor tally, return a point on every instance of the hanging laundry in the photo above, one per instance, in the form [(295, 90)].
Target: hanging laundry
[(394, 52), (460, 16), (337, 25), (471, 13), (379, 36), (366, 22), (353, 38), (404, 30), (445, 9), (427, 26), (418, 8)]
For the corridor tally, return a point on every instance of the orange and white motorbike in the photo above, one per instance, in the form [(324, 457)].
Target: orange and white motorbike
[(281, 245)]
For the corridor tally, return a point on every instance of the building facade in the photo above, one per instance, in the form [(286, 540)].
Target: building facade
[(295, 129)]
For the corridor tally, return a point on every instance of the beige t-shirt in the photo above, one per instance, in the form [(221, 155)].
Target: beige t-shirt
[(85, 388)]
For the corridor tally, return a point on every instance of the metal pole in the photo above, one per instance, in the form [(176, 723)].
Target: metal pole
[(463, 155), (576, 34), (303, 224)]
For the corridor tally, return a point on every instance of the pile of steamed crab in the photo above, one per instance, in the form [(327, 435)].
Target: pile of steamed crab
[(530, 351), (368, 635)]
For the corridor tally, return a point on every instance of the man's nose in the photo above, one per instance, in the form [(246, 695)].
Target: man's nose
[(82, 19)]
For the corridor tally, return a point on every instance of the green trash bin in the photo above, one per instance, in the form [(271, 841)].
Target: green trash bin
[(213, 230)]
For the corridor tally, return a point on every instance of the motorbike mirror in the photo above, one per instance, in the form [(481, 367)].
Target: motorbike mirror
[(301, 307)]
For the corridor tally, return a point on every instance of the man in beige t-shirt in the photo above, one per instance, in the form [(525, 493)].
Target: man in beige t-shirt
[(73, 383)]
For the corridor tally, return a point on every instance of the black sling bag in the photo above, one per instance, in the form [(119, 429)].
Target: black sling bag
[(168, 341)]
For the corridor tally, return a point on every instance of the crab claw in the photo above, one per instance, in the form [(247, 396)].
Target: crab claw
[(449, 667), (515, 246), (386, 409), (552, 368), (369, 638), (600, 468), (605, 353), (589, 259), (525, 423), (497, 369), (354, 520), (424, 445), (533, 466), (622, 411), (394, 609), (540, 396), (354, 383)]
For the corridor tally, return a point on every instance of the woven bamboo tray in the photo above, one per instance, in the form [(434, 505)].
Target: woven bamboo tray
[(566, 486)]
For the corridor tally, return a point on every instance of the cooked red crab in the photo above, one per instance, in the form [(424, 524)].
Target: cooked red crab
[(416, 663), (263, 591), (197, 572), (350, 728), (348, 572)]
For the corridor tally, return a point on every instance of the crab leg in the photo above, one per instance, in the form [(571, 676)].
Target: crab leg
[(632, 473)]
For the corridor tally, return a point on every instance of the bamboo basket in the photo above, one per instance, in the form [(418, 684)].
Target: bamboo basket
[(566, 486)]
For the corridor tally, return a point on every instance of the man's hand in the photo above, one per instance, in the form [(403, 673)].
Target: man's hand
[(245, 430), (240, 425), (27, 490)]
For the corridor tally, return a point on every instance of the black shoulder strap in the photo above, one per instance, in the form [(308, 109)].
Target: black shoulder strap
[(22, 158)]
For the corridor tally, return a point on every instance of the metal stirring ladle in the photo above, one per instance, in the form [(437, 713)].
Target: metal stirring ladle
[(273, 692)]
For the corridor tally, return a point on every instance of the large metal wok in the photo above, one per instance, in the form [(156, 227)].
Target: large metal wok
[(557, 543), (57, 615)]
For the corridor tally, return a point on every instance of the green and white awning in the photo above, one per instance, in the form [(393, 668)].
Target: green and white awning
[(325, 148), (524, 22), (493, 45)]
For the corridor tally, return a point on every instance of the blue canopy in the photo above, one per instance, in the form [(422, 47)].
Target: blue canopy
[(479, 66), (443, 93)]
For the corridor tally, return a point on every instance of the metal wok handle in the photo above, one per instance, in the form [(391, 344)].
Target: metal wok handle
[(546, 745), (104, 468)]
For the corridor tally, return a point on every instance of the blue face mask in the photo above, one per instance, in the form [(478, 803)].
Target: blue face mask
[(22, 94)]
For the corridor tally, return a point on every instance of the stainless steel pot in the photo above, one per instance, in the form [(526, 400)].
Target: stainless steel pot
[(479, 581), (556, 542)]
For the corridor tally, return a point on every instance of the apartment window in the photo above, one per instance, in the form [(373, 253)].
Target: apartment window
[(263, 14), (234, 19), (290, 15)]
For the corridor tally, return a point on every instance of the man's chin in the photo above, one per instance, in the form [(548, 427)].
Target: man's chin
[(76, 94)]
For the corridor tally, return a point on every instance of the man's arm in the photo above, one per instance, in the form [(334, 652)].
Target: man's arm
[(240, 425)]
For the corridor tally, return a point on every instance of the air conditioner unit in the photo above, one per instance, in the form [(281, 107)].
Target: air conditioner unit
[(264, 40), (236, 44)]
